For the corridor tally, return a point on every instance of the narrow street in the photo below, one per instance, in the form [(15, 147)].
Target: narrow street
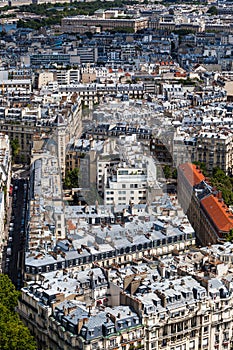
[(16, 241)]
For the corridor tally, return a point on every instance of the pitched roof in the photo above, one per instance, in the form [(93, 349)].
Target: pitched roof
[(218, 213), (192, 173)]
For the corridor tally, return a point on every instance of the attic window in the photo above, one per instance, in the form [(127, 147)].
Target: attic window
[(110, 330), (91, 332)]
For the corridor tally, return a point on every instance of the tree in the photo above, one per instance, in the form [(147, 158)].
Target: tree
[(8, 294), (13, 334), (213, 11), (167, 171), (229, 236), (174, 174), (224, 184), (72, 179), (15, 147)]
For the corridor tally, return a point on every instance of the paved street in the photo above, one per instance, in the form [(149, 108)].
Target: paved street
[(16, 242)]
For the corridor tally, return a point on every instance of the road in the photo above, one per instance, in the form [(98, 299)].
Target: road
[(16, 245)]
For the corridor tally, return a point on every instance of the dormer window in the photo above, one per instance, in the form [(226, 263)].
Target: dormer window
[(91, 332), (110, 330)]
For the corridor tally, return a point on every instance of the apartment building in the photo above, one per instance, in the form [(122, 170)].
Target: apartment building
[(15, 84), (205, 208), (107, 234), (82, 154), (5, 179), (67, 76), (134, 178), (80, 316), (46, 60), (94, 93), (21, 124), (215, 149), (165, 303)]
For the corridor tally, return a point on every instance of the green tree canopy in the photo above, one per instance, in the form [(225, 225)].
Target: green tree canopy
[(72, 179), (15, 147), (213, 10), (229, 237), (167, 171), (223, 183), (13, 334), (8, 294)]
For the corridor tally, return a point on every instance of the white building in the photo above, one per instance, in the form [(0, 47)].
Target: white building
[(5, 178), (133, 179)]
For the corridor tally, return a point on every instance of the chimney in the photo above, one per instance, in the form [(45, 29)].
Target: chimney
[(96, 207), (81, 322), (65, 310), (219, 194), (91, 143)]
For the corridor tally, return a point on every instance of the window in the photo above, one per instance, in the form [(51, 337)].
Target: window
[(173, 328), (112, 342), (110, 330), (192, 334), (122, 172), (91, 332), (192, 344)]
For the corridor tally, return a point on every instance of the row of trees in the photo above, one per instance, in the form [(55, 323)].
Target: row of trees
[(224, 184), (13, 334), (52, 14), (169, 172), (221, 181)]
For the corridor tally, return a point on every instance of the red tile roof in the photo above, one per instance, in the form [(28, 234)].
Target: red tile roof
[(192, 174), (71, 226), (217, 211)]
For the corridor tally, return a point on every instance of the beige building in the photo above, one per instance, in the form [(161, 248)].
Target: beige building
[(215, 149), (69, 23), (44, 78), (21, 123)]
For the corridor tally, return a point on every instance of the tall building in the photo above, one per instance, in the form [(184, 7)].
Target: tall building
[(205, 208), (133, 179)]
